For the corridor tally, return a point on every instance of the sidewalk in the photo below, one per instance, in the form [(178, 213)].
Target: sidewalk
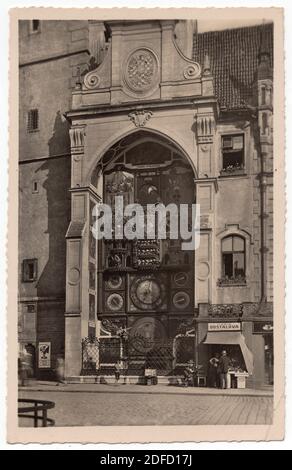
[(160, 389)]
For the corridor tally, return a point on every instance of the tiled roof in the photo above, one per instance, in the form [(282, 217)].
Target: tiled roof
[(233, 57)]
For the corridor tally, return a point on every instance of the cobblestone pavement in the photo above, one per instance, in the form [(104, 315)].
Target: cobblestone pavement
[(125, 409)]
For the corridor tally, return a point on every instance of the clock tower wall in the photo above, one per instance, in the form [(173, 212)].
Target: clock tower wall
[(145, 92)]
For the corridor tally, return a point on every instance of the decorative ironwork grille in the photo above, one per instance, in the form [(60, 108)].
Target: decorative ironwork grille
[(90, 356), (99, 355)]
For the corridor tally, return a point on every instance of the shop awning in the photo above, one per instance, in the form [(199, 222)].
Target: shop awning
[(232, 337)]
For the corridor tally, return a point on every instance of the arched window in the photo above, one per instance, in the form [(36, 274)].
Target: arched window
[(233, 258)]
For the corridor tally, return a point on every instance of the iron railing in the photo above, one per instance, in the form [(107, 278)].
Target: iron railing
[(99, 355), (34, 407)]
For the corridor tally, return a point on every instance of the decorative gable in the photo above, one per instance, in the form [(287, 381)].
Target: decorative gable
[(143, 62)]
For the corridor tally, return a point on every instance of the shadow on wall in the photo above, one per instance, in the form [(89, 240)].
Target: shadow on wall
[(59, 143), (52, 280), (57, 185)]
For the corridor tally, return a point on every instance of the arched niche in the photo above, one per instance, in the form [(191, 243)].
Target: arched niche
[(135, 140)]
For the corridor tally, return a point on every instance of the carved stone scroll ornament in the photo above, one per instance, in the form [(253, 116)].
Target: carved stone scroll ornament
[(192, 71), (139, 118), (92, 80)]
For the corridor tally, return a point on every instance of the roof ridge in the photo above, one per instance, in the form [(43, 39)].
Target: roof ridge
[(241, 28)]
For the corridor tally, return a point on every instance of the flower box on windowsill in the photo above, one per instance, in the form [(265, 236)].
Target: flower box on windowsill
[(232, 172), (231, 282)]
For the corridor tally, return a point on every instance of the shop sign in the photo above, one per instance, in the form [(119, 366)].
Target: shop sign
[(262, 328), (44, 355), (224, 326)]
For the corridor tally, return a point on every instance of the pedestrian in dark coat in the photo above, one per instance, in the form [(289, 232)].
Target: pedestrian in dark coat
[(213, 371), (224, 364)]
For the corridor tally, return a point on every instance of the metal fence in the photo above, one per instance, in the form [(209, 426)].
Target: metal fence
[(99, 355)]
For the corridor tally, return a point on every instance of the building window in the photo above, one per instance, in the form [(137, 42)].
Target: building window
[(35, 187), (29, 270), (30, 308), (233, 260), (35, 26), (33, 120), (232, 154)]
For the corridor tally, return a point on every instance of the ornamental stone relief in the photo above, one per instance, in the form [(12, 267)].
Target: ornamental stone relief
[(77, 135), (140, 118), (192, 71), (205, 128), (141, 71), (92, 80), (225, 310)]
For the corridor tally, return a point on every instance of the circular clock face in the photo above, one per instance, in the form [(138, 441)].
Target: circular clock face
[(115, 281), (115, 302), (180, 279), (147, 293), (145, 333), (181, 300)]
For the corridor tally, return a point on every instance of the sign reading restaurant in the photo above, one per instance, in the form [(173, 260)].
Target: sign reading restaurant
[(224, 326)]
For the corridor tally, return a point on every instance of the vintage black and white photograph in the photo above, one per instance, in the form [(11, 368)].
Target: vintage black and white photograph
[(146, 220)]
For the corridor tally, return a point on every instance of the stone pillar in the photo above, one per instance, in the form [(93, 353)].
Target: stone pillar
[(206, 187), (74, 257), (203, 255)]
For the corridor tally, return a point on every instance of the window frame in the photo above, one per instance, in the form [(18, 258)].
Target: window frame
[(35, 187), (31, 26), (232, 171), (30, 120), (25, 264), (233, 280)]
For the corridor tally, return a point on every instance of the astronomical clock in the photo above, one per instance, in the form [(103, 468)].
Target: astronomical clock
[(148, 284)]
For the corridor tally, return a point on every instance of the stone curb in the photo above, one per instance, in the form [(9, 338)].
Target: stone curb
[(63, 389)]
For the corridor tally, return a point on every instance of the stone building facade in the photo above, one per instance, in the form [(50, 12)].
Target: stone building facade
[(152, 111)]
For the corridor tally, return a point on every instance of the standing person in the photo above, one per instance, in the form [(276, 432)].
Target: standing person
[(213, 371), (24, 365), (118, 368), (60, 370), (224, 364), (189, 374)]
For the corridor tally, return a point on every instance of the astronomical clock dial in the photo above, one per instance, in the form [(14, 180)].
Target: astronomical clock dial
[(180, 279), (115, 302), (181, 300), (147, 293), (115, 282)]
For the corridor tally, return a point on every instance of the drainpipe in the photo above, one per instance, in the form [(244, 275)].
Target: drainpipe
[(263, 225), (262, 177)]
